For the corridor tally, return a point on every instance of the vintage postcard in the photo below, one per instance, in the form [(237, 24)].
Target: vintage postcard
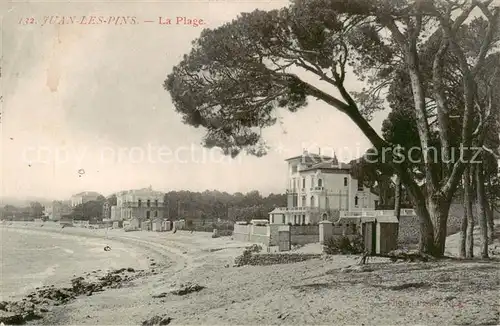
[(260, 162)]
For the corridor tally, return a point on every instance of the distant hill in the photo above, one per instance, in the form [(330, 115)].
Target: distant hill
[(23, 201)]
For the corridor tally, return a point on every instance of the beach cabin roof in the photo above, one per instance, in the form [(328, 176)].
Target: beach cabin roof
[(380, 219), (259, 221)]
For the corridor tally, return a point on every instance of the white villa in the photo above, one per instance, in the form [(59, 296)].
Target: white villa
[(143, 204), (321, 188)]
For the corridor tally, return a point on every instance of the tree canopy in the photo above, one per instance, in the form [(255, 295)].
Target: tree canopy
[(412, 54)]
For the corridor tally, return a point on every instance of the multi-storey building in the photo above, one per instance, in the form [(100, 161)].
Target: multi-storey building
[(84, 197), (106, 210), (57, 209), (143, 204), (319, 188)]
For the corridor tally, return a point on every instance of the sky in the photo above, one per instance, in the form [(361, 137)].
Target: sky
[(84, 107)]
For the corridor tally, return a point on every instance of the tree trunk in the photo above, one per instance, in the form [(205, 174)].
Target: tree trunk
[(463, 226), (489, 213), (469, 240), (481, 209), (439, 209), (397, 198), (426, 243)]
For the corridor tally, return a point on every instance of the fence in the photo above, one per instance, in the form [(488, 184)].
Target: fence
[(224, 228)]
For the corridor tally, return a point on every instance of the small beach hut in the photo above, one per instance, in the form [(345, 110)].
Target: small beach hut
[(134, 223), (166, 225), (157, 225), (380, 233), (146, 225), (117, 224)]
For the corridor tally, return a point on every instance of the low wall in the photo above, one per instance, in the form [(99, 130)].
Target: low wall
[(304, 234), (223, 227), (274, 234), (241, 232), (268, 235), (409, 227)]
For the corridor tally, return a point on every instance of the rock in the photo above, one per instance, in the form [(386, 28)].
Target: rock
[(188, 288), (130, 270), (18, 318), (11, 318), (161, 295), (3, 305), (157, 320)]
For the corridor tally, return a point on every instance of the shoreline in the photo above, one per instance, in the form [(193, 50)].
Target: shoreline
[(31, 307), (203, 287)]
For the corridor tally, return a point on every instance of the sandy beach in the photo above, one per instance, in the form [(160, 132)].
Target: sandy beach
[(327, 290)]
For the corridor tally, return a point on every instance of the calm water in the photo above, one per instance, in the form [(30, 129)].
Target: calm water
[(31, 259)]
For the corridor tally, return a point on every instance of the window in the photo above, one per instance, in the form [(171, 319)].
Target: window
[(360, 186), (312, 201), (148, 214), (303, 183), (303, 219), (149, 203), (156, 213), (294, 168), (156, 202), (356, 199), (139, 202), (345, 182), (312, 182), (283, 219), (320, 183), (325, 217), (303, 201)]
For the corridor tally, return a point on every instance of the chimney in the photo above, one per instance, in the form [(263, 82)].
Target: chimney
[(319, 151)]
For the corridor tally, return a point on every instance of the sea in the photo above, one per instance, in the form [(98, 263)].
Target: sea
[(31, 258)]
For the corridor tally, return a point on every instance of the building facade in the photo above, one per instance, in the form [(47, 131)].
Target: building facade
[(84, 197), (143, 204), (57, 209), (319, 188), (106, 210)]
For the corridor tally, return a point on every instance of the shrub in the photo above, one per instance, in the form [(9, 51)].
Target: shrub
[(245, 258), (358, 245), (342, 245), (254, 248)]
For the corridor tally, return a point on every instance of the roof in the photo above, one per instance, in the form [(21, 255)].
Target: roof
[(313, 156), (150, 190), (329, 166), (380, 219), (87, 193)]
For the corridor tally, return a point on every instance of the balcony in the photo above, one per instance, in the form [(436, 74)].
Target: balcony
[(134, 204), (283, 210), (317, 188), (404, 212)]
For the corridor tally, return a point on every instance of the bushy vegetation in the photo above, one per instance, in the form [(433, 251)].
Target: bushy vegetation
[(344, 246)]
